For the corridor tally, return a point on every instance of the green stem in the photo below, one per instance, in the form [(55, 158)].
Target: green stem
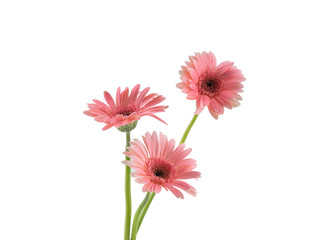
[(145, 209), (184, 137), (140, 213), (128, 199), (137, 215)]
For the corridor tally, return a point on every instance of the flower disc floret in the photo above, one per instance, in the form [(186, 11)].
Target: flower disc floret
[(160, 170)]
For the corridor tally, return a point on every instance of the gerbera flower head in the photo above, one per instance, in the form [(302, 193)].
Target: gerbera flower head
[(211, 85), (157, 163), (127, 109)]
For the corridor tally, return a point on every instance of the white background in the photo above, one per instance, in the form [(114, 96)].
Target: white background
[(61, 176)]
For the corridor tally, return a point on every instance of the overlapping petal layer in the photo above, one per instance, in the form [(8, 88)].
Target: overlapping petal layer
[(211, 85), (157, 163), (127, 108)]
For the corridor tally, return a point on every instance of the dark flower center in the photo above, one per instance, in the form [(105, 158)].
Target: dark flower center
[(159, 173), (209, 84), (160, 169)]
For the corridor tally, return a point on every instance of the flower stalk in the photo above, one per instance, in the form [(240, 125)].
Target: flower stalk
[(184, 137), (145, 209), (141, 212), (128, 198), (137, 216)]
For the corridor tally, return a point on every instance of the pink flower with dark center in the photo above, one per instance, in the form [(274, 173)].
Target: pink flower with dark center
[(210, 85), (128, 107), (157, 163)]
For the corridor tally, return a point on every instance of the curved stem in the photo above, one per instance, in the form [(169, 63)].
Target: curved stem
[(128, 199), (184, 137), (137, 215), (145, 209), (140, 213)]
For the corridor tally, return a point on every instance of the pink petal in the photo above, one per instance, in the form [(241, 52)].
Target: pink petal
[(142, 96), (205, 100), (181, 85), (185, 186), (134, 94), (175, 191), (188, 175), (109, 100), (194, 75), (214, 115), (192, 95)]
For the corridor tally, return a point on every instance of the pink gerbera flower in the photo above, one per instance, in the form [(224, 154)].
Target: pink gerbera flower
[(210, 85), (127, 109), (157, 164)]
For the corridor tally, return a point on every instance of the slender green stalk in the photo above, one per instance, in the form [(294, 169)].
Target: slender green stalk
[(137, 215), (145, 209), (184, 137), (128, 199)]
